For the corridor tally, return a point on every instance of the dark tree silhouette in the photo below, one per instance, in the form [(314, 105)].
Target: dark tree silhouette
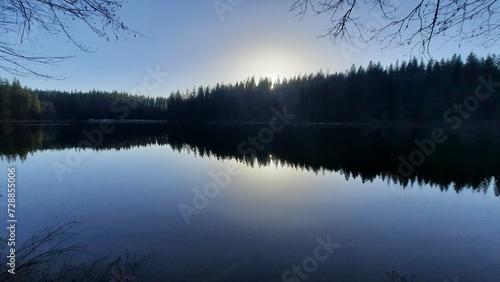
[(405, 92), (415, 24), (22, 20)]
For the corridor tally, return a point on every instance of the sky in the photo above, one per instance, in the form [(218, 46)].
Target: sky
[(190, 43)]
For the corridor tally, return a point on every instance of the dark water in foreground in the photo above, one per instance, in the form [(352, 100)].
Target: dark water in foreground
[(303, 204)]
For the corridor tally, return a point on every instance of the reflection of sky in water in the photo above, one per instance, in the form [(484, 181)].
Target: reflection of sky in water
[(267, 219)]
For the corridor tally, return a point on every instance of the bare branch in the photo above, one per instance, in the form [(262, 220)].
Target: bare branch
[(23, 20), (416, 25)]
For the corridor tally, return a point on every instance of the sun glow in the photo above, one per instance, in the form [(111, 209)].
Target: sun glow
[(276, 59), (272, 62)]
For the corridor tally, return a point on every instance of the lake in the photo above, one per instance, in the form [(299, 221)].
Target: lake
[(249, 203)]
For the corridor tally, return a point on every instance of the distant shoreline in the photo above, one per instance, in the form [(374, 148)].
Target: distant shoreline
[(493, 125)]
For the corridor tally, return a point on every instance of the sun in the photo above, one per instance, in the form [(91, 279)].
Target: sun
[(273, 78), (273, 63), (274, 74)]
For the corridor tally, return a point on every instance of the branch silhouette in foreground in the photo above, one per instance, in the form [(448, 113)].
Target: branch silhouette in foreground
[(21, 21), (42, 258), (416, 24)]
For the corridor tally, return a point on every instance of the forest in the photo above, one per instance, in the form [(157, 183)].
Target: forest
[(407, 91)]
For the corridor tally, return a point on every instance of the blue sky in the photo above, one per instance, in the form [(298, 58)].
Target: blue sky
[(196, 45)]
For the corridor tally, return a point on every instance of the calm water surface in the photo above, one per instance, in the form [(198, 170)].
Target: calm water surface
[(271, 215)]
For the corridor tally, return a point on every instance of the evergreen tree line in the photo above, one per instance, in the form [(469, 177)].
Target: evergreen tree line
[(410, 91), (22, 103), (103, 105), (17, 102)]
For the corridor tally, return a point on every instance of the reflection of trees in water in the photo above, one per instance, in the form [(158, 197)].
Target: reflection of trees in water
[(464, 160), (497, 185), (19, 141)]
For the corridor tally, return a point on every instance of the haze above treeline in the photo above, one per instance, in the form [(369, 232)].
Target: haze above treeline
[(448, 90)]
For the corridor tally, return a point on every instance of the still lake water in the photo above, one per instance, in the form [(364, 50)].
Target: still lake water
[(323, 199)]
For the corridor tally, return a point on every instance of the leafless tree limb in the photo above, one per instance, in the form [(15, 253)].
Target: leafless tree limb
[(416, 24), (23, 20)]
